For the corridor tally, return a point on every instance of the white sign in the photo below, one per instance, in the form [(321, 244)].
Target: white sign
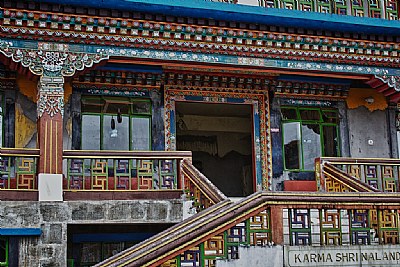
[(372, 255)]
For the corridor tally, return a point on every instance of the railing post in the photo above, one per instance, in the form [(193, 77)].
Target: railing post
[(277, 224), (319, 176)]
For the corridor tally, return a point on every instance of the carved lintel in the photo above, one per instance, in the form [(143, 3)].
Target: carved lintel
[(50, 96), (391, 81)]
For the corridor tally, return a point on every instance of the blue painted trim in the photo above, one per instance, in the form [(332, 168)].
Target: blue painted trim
[(218, 59), (244, 13), (110, 237), (20, 231)]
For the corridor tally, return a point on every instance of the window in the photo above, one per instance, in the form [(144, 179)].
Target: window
[(3, 251), (116, 123), (308, 133)]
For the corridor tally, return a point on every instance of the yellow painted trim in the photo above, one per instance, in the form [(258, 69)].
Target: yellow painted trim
[(45, 148), (56, 158)]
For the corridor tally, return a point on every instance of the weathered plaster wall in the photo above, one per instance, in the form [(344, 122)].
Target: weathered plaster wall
[(256, 257), (365, 126), (50, 249)]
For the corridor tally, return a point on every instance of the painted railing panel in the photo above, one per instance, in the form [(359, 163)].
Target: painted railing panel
[(357, 174), (123, 170), (264, 219), (18, 169)]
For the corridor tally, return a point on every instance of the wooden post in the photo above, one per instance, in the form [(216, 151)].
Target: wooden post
[(50, 109), (277, 224)]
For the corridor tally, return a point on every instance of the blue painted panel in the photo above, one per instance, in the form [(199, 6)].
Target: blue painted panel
[(133, 68), (110, 237), (20, 231), (253, 14)]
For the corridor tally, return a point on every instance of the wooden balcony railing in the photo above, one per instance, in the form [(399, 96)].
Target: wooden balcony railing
[(122, 170), (18, 168), (357, 174), (294, 219)]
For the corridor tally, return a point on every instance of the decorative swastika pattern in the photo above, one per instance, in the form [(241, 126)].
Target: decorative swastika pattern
[(235, 236), (26, 173), (167, 174), (374, 8), (388, 179), (191, 257), (299, 227), (388, 226), (260, 229), (324, 6), (5, 172), (99, 174), (122, 174), (354, 170), (340, 7), (214, 248), (331, 185), (330, 225), (371, 176), (306, 5), (359, 227), (145, 174), (391, 8), (76, 174), (357, 8)]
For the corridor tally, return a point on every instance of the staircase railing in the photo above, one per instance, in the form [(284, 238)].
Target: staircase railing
[(199, 189), (262, 219), (357, 174)]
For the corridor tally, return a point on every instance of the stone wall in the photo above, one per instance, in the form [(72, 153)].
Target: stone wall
[(50, 249)]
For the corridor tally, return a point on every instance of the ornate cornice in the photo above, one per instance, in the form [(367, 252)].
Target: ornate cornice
[(391, 81), (246, 41), (51, 59)]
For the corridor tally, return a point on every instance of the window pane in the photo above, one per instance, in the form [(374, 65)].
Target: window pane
[(310, 115), (115, 108), (330, 141), (330, 116), (291, 141), (288, 114), (141, 107), (91, 132), (3, 251), (117, 139), (92, 105), (311, 144), (140, 133)]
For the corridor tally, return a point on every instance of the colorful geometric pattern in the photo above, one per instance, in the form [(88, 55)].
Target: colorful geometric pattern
[(359, 227), (120, 174), (330, 225), (18, 173), (299, 227)]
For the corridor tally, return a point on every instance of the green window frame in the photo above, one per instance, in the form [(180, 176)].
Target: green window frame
[(102, 129), (4, 247), (2, 119), (308, 133)]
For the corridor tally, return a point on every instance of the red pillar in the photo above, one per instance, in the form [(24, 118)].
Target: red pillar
[(50, 124), (277, 224)]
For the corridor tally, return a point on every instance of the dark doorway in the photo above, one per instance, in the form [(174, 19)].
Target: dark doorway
[(220, 137)]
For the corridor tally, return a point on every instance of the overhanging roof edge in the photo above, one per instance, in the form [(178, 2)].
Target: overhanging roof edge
[(244, 13)]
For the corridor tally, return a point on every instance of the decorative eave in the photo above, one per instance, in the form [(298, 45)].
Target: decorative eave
[(253, 14), (201, 38), (388, 85)]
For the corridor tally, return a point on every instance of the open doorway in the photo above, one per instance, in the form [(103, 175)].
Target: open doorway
[(220, 137)]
